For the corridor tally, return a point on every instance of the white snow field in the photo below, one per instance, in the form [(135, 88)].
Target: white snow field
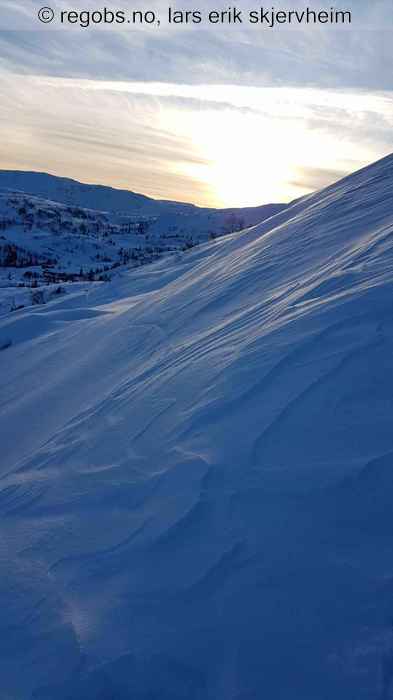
[(197, 469)]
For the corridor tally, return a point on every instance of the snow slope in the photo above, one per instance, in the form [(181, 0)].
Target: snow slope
[(196, 479)]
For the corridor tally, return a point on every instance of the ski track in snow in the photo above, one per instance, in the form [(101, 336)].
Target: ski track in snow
[(196, 471)]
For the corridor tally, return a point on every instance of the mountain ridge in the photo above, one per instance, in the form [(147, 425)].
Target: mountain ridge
[(12, 179), (40, 184)]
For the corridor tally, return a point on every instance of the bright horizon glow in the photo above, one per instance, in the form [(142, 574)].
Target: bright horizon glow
[(213, 145)]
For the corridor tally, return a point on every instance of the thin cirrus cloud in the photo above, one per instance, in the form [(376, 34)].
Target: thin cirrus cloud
[(217, 117), (315, 177)]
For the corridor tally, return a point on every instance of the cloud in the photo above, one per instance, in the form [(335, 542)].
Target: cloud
[(222, 144), (118, 139), (316, 178), (202, 57), (221, 115), (355, 57)]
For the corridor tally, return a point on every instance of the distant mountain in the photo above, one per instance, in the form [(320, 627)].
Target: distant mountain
[(67, 191), (100, 197)]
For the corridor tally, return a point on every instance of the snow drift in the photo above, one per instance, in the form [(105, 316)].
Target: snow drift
[(196, 479)]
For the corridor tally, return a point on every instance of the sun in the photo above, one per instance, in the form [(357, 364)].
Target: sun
[(248, 157), (261, 145)]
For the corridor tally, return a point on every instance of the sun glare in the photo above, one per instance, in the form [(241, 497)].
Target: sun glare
[(242, 158), (254, 154)]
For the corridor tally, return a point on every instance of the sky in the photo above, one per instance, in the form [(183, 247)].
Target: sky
[(214, 115)]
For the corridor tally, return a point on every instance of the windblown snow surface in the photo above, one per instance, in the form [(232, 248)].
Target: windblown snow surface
[(197, 469)]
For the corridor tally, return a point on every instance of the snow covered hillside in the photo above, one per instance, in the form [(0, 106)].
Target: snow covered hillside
[(44, 242), (196, 485), (73, 193)]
